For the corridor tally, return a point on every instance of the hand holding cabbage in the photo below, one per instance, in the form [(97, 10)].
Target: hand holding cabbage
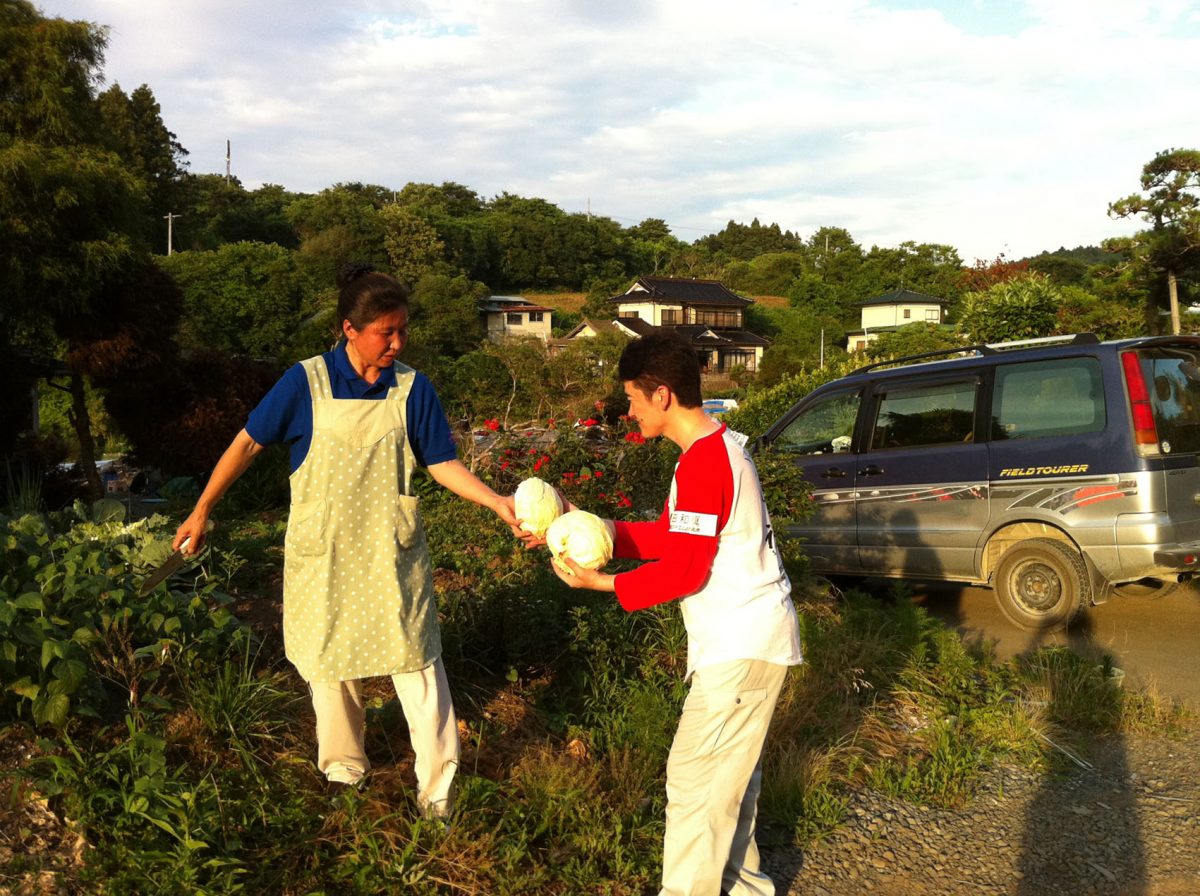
[(580, 543)]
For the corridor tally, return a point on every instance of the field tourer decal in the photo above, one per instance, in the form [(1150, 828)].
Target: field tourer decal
[(1013, 472)]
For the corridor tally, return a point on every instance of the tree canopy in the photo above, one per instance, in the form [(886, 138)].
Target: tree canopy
[(1169, 251)]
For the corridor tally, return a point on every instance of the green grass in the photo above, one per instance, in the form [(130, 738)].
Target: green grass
[(567, 705)]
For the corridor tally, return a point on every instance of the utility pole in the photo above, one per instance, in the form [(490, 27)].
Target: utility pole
[(170, 219), (1173, 294), (227, 158)]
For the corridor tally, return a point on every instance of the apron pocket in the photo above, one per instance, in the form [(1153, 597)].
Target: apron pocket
[(306, 536), (408, 520)]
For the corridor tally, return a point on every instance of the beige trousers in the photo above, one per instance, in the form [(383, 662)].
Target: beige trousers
[(714, 776), (432, 727)]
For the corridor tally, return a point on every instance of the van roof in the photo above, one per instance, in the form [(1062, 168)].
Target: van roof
[(1049, 347)]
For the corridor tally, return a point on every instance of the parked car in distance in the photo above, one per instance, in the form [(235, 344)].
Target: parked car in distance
[(1057, 472)]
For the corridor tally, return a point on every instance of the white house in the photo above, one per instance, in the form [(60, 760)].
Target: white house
[(706, 312), (514, 316), (892, 310)]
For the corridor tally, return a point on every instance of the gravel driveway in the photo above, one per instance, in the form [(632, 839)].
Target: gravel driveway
[(1128, 823)]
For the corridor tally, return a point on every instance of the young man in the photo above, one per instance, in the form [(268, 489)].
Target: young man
[(712, 549)]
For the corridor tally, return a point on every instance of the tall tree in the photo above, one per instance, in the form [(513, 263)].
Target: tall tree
[(216, 211), (652, 246), (245, 299), (133, 128), (459, 217), (341, 224), (1170, 203), (412, 243), (929, 268), (745, 241), (69, 207)]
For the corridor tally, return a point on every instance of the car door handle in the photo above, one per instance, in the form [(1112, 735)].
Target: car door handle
[(871, 470), (834, 473)]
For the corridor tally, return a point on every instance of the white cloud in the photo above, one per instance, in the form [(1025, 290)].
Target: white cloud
[(994, 127)]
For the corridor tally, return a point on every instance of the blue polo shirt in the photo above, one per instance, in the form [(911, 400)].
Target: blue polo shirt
[(285, 413)]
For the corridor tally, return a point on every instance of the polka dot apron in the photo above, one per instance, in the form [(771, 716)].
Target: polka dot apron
[(358, 595)]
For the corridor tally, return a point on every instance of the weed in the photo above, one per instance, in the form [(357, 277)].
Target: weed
[(22, 489), (804, 789), (240, 707)]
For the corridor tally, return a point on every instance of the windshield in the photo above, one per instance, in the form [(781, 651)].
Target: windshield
[(1173, 379)]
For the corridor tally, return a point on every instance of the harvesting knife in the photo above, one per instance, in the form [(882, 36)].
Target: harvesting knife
[(172, 565)]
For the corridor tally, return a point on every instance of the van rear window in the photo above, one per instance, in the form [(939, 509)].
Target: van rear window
[(1173, 379), (1037, 399)]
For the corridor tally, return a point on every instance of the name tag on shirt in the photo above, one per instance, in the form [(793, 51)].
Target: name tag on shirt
[(693, 523)]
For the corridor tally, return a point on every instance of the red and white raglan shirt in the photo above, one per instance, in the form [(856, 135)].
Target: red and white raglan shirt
[(715, 552)]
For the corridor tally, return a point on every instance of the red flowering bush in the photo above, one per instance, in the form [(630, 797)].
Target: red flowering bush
[(610, 475)]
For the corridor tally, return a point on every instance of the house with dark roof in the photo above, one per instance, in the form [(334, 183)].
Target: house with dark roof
[(514, 316), (891, 311), (709, 314)]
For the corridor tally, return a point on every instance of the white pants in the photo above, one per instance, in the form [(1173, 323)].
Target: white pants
[(432, 727), (714, 775)]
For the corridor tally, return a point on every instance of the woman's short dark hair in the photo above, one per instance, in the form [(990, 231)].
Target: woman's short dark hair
[(364, 294), (663, 359)]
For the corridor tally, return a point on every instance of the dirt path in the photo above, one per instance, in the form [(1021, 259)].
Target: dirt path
[(1128, 823)]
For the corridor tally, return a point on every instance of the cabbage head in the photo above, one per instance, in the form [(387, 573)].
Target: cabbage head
[(582, 536), (537, 505)]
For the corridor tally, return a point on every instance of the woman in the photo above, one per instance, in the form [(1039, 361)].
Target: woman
[(358, 590)]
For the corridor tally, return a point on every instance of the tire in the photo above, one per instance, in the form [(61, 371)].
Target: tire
[(1145, 589), (1042, 585)]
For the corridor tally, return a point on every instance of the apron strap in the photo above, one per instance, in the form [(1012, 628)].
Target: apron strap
[(405, 377)]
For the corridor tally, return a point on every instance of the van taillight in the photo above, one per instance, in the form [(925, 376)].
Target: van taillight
[(1144, 430)]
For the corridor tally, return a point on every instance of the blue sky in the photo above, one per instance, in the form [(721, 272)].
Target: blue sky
[(993, 127)]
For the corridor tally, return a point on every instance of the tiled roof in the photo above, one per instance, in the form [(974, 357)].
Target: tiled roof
[(903, 297), (506, 308), (690, 292), (639, 326)]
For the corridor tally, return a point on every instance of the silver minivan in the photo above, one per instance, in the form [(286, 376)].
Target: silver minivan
[(1058, 472)]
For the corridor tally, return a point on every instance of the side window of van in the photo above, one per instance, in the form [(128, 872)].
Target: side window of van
[(925, 414), (824, 427), (1048, 398)]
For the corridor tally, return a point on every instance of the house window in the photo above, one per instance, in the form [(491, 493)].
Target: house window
[(632, 314), (535, 317), (729, 360), (670, 318), (728, 319), (514, 319), (907, 313), (931, 315)]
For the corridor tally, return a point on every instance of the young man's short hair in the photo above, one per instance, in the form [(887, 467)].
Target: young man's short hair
[(663, 359)]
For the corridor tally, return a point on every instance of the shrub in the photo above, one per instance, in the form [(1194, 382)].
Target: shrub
[(73, 632)]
